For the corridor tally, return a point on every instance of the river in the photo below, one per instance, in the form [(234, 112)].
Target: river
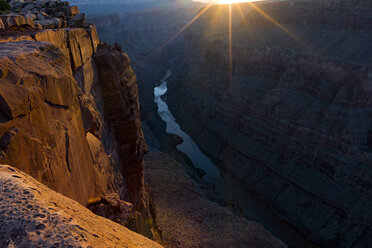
[(230, 189)]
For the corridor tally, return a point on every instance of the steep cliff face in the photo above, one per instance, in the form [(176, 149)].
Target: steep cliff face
[(122, 113), (42, 129), (294, 124), (142, 30), (69, 108)]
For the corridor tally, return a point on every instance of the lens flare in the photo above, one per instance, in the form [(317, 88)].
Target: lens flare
[(226, 1), (235, 1), (230, 48), (280, 26), (186, 26)]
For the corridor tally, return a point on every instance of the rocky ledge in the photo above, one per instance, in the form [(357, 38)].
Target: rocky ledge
[(42, 14), (32, 215)]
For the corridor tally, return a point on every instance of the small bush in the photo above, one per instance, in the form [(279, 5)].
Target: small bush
[(4, 5)]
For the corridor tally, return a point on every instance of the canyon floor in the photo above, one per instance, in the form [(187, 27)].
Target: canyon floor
[(188, 219)]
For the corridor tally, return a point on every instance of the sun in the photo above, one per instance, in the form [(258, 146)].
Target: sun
[(225, 1), (234, 1)]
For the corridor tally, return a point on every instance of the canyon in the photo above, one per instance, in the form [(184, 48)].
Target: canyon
[(290, 120), (73, 171)]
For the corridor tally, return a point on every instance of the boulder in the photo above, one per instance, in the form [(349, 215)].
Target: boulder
[(111, 207), (77, 21), (57, 22), (46, 24), (12, 3), (51, 4), (29, 7), (69, 10)]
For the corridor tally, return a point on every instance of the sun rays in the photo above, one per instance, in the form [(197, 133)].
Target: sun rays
[(241, 14), (280, 26), (186, 26), (230, 47), (219, 6)]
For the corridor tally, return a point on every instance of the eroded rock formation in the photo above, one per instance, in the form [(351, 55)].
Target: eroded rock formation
[(61, 121)]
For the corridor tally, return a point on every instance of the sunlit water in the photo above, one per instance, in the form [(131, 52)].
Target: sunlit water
[(188, 146), (231, 190)]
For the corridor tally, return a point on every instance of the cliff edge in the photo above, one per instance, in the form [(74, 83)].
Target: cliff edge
[(69, 108), (46, 218)]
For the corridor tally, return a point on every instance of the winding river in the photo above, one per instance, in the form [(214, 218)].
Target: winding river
[(231, 190)]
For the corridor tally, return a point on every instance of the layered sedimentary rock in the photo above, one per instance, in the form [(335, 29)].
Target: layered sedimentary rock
[(32, 215), (293, 123), (57, 115)]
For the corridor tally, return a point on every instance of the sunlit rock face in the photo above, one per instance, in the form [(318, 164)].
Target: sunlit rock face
[(58, 119), (42, 129), (294, 125), (32, 215)]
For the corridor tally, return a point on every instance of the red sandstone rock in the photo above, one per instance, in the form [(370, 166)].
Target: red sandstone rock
[(32, 215), (42, 130)]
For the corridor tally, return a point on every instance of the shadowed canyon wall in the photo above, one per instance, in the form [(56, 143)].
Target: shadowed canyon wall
[(144, 33), (293, 124)]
